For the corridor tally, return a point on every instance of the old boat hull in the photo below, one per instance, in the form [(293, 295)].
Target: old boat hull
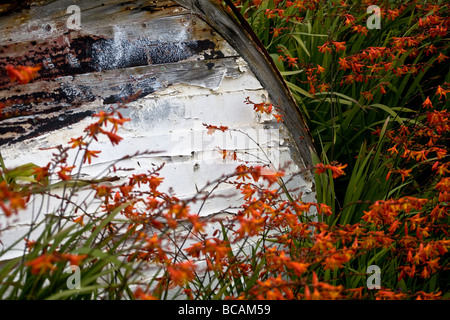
[(178, 65)]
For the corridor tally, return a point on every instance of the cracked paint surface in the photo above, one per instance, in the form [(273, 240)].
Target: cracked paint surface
[(180, 78)]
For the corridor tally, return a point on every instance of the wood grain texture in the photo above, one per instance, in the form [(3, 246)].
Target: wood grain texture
[(159, 32), (104, 60), (239, 34), (183, 63)]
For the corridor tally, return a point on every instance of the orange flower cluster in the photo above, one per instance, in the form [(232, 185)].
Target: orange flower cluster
[(94, 129), (296, 250), (292, 62), (266, 108), (372, 63), (211, 128), (11, 201), (336, 169), (46, 262)]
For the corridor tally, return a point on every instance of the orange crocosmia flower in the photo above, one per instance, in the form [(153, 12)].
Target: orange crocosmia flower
[(223, 153), (332, 263), (336, 169), (325, 209), (30, 244), (276, 32), (77, 142), (441, 92), (441, 58), (116, 122), (440, 168), (324, 48), (154, 182), (138, 179), (360, 29), (102, 191), (42, 263), (421, 295), (152, 242), (196, 249), (393, 150), (242, 172), (270, 175), (16, 202), (22, 74), (320, 168), (197, 224), (389, 295), (262, 107), (339, 46), (103, 117), (403, 172), (443, 184), (182, 272), (440, 153), (279, 117), (41, 173), (302, 207), (349, 19), (74, 259), (324, 87), (392, 14), (420, 155), (250, 227), (247, 191), (320, 69), (368, 95), (125, 189), (114, 138), (139, 294), (298, 267), (79, 220), (291, 61), (63, 173), (179, 211), (427, 103), (212, 129), (89, 154), (344, 63), (93, 129)]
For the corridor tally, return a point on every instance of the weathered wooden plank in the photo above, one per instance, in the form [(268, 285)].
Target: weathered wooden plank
[(117, 47), (60, 104), (73, 63), (34, 20), (240, 35)]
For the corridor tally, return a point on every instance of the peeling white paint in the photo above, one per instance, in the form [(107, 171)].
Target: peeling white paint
[(171, 123), (168, 122)]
